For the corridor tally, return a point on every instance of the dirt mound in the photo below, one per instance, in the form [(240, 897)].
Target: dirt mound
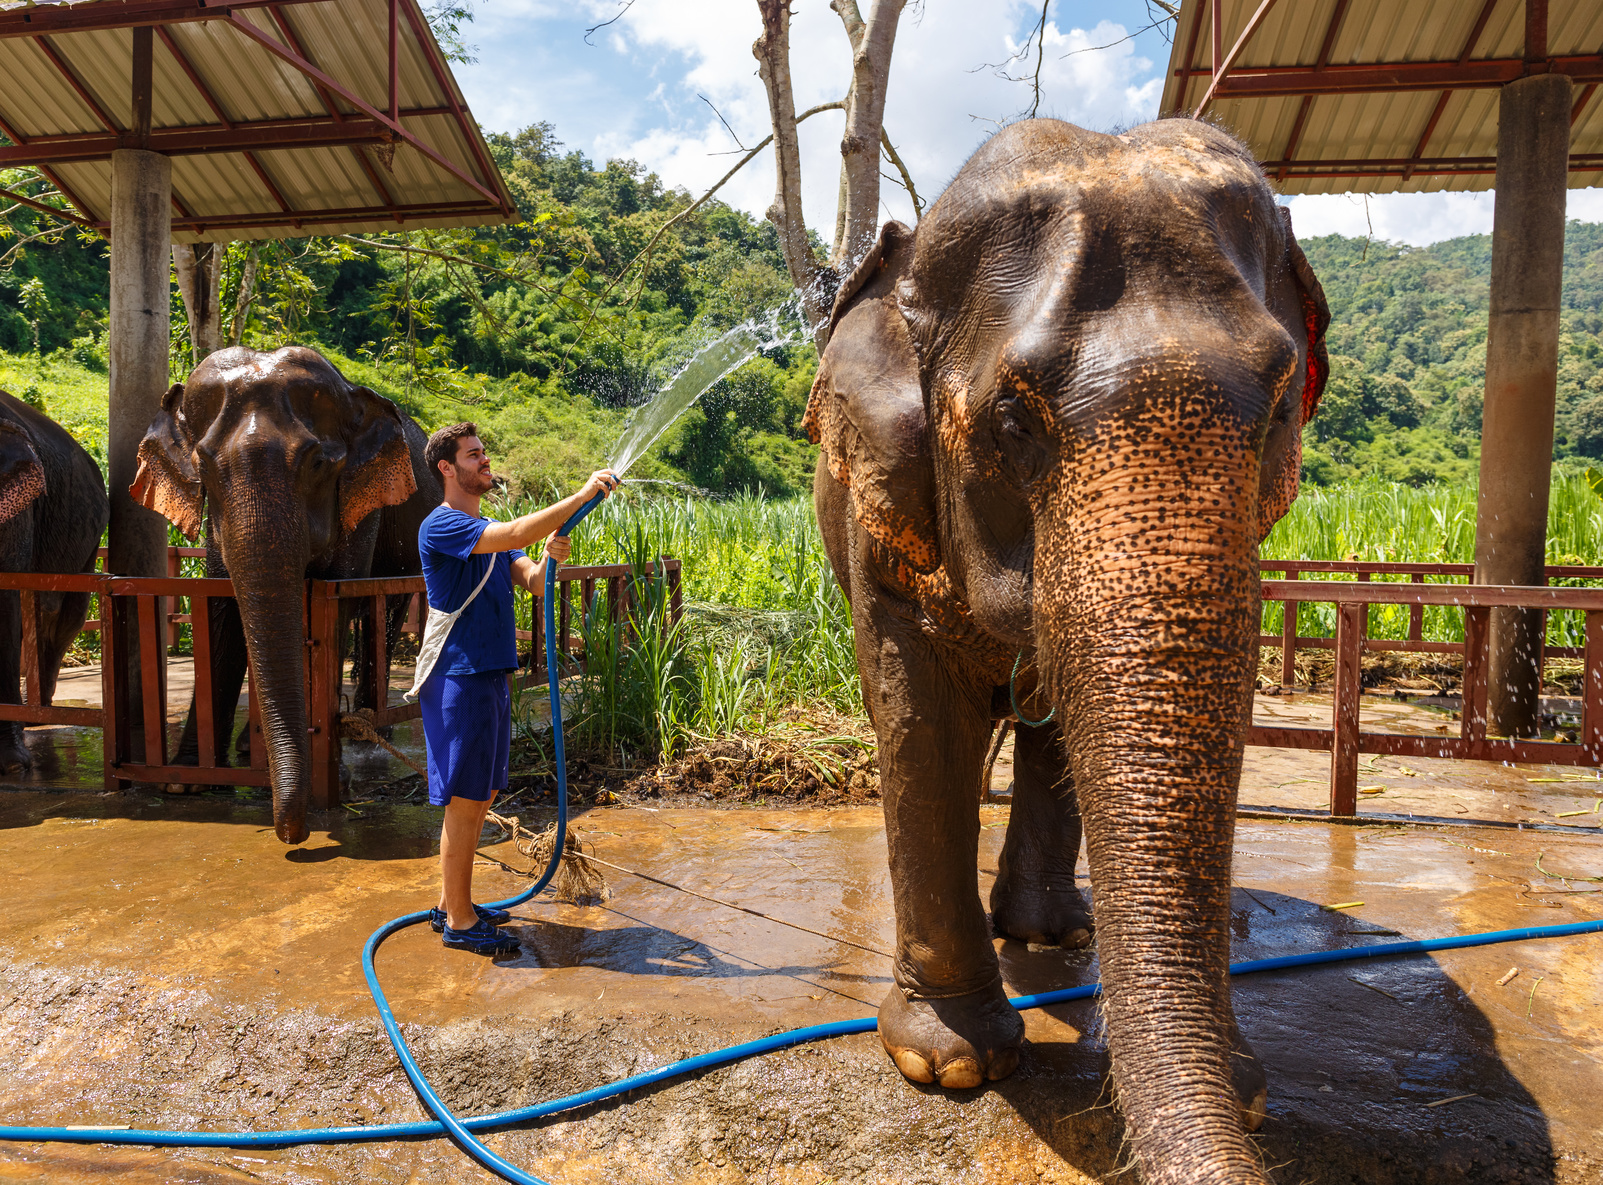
[(836, 769)]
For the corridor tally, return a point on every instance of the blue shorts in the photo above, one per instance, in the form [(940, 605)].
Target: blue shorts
[(467, 725)]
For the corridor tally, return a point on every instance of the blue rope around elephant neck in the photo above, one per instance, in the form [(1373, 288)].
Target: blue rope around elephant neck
[(1018, 711)]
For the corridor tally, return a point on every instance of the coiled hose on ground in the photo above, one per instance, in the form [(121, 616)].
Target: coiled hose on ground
[(462, 1130)]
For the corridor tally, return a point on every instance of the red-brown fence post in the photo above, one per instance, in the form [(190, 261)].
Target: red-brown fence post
[(1477, 629), (1416, 613), (676, 602), (174, 571), (1345, 708), (1288, 638), (111, 716), (201, 649), (1592, 691)]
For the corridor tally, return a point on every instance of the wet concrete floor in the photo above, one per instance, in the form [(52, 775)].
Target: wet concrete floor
[(169, 964)]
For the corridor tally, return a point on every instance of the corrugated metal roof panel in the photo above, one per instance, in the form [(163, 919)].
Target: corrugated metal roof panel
[(1379, 133), (230, 185)]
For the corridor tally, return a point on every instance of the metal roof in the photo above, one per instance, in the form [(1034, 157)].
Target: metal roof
[(1383, 96), (281, 117)]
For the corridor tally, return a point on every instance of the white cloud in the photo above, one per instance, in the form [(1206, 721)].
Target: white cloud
[(1417, 219), (943, 100)]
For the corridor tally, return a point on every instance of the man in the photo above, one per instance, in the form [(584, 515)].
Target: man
[(467, 710)]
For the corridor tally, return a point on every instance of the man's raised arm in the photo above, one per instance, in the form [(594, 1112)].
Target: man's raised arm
[(524, 531)]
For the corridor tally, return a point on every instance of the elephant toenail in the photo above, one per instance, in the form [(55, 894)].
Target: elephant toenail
[(1003, 1063), (961, 1073), (913, 1067), (1255, 1112), (1077, 939)]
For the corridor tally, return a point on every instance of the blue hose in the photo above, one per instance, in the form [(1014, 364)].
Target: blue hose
[(461, 1130)]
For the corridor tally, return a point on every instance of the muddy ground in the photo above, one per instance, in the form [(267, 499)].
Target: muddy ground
[(169, 964)]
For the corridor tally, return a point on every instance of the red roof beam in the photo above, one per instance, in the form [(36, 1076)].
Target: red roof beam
[(1323, 60), (319, 217), (120, 14), (442, 76), (53, 56), (1222, 71), (1463, 56), (202, 141), (22, 199), (1379, 77), (1580, 162), (210, 99), (284, 53)]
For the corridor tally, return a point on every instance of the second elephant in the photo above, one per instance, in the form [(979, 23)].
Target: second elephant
[(296, 473)]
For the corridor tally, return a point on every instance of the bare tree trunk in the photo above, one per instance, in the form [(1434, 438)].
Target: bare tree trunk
[(200, 270), (247, 293), (872, 42), (816, 282)]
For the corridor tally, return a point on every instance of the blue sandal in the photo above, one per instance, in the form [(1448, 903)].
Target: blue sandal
[(496, 917), (482, 938)]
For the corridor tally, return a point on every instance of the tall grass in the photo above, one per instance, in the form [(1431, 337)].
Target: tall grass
[(766, 627), (1387, 523)]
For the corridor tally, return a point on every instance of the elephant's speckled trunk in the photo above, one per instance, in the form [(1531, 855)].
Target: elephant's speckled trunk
[(267, 561), (1147, 604)]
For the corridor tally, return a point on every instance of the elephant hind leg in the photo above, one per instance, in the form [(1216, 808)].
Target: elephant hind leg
[(1035, 897)]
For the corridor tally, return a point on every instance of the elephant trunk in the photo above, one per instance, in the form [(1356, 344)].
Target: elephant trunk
[(267, 561), (1147, 607)]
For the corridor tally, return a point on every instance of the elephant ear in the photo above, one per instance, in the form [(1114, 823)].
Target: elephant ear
[(378, 468), (1315, 318), (167, 480), (22, 477), (866, 409)]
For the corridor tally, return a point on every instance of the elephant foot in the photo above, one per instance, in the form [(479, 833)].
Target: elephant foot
[(1251, 1083), (1045, 913), (959, 1042), (14, 757)]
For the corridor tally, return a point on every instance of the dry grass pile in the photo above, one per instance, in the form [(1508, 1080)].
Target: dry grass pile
[(799, 766)]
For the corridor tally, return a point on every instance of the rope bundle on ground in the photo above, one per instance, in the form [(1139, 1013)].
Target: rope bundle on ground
[(577, 881)]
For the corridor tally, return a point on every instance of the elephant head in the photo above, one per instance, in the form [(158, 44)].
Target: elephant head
[(22, 476), (1068, 409), (286, 459)]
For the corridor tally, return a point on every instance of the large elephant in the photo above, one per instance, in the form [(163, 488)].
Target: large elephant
[(53, 509), (296, 473), (1056, 423)]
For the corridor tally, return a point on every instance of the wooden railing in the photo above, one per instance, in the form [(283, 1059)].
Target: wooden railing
[(1346, 740), (1289, 640), (143, 608)]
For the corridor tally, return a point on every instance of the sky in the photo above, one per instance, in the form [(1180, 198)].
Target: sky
[(673, 84)]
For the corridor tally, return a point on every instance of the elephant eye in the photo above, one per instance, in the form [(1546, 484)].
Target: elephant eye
[(1021, 445)]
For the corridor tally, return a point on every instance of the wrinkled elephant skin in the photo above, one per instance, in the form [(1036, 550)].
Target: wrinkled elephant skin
[(53, 509), (1056, 422), (296, 473)]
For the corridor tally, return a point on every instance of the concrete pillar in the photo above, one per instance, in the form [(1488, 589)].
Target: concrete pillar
[(1533, 143), (141, 228)]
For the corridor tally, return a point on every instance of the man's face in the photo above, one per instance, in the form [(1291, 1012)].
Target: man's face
[(472, 466)]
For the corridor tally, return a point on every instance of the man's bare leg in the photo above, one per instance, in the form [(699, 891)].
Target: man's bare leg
[(459, 840)]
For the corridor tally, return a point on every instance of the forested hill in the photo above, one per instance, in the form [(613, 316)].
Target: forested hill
[(1408, 356), (544, 332), (547, 331)]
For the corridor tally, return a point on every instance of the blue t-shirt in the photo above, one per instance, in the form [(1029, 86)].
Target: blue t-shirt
[(484, 640)]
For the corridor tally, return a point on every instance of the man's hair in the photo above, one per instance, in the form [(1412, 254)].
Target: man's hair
[(442, 446)]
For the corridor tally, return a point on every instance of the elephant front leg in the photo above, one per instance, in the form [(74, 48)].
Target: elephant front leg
[(1035, 897), (946, 1019)]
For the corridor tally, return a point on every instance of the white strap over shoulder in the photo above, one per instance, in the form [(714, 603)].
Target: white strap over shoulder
[(436, 630)]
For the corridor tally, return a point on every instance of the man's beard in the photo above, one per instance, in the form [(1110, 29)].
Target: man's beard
[(474, 481)]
